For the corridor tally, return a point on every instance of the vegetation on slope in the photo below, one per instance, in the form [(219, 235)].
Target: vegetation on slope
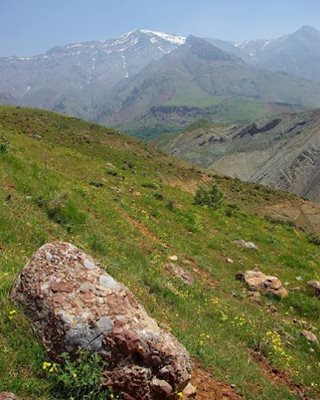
[(131, 207)]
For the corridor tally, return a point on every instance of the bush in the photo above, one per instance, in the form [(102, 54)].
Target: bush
[(211, 197), (78, 379), (4, 145), (62, 210), (171, 204), (149, 185)]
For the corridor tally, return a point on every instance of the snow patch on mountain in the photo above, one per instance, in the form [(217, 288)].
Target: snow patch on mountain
[(178, 40)]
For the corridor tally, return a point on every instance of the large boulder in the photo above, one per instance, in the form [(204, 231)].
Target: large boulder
[(266, 284), (74, 303)]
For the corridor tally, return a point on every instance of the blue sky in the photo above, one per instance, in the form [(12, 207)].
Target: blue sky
[(33, 26)]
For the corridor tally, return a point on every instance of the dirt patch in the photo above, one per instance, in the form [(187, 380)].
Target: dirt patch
[(203, 275), (140, 226), (304, 215), (279, 377), (179, 272), (190, 185), (210, 389)]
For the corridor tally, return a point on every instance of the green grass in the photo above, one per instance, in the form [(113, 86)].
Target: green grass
[(47, 194)]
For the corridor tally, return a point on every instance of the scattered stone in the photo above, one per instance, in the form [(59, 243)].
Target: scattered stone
[(110, 165), (311, 337), (246, 245), (190, 392), (255, 297), (272, 309), (74, 303), (8, 396), (35, 136), (173, 258), (179, 272), (315, 286), (229, 261), (260, 282)]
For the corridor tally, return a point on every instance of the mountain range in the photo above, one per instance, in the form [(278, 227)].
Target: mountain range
[(148, 81), (286, 54), (201, 76), (281, 152), (68, 78)]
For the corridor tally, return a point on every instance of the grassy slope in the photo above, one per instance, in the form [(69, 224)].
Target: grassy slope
[(51, 184)]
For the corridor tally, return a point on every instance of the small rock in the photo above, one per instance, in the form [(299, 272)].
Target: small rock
[(49, 256), (179, 272), (8, 396), (315, 286), (190, 392), (89, 264), (311, 337), (108, 282), (161, 388), (260, 282), (246, 245), (273, 309), (229, 261), (255, 297), (173, 258)]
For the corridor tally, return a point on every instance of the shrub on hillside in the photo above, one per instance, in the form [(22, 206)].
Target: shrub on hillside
[(4, 145), (211, 197)]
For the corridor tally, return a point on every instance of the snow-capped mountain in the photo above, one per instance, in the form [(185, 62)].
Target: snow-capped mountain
[(65, 77), (297, 53)]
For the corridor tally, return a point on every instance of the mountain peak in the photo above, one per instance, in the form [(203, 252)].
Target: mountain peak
[(307, 29), (178, 40), (208, 51)]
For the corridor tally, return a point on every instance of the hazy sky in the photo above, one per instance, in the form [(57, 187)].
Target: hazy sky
[(33, 26)]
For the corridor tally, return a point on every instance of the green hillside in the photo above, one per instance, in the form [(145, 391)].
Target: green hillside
[(131, 207)]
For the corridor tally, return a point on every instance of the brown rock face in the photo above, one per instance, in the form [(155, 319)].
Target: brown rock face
[(260, 282), (74, 303)]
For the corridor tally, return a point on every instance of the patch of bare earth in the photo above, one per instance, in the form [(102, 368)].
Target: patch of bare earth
[(303, 214), (203, 275), (210, 389), (140, 226), (279, 377), (190, 185)]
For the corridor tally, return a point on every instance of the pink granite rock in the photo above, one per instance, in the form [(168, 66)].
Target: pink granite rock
[(74, 303)]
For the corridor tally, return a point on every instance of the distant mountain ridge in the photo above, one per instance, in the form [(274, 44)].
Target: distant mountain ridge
[(195, 73), (282, 152), (297, 53), (147, 82), (66, 78)]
